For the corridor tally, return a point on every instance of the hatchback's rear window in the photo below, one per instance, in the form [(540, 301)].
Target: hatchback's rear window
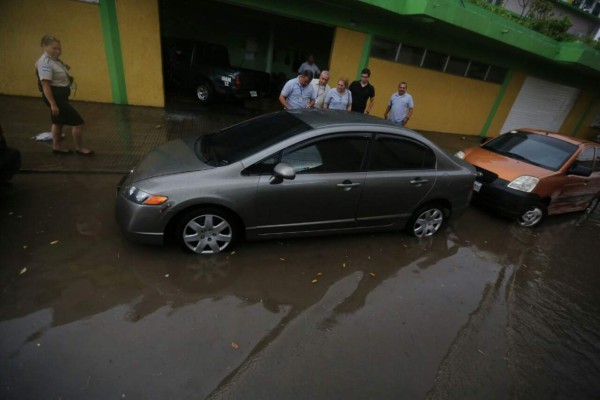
[(242, 140), (543, 151)]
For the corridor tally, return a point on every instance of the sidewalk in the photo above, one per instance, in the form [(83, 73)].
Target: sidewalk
[(122, 135)]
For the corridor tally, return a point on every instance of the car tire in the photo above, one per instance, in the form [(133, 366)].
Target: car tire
[(205, 92), (533, 215), (427, 220), (207, 231), (592, 206)]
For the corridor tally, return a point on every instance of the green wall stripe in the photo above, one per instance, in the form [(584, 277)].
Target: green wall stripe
[(497, 103), (366, 53), (112, 46)]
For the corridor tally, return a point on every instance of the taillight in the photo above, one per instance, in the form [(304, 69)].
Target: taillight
[(238, 82)]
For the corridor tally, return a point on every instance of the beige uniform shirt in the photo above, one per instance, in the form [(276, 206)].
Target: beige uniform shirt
[(320, 92), (52, 70)]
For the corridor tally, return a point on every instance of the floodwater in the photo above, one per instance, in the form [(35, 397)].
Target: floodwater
[(483, 310)]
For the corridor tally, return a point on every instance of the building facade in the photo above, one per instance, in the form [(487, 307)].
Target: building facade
[(469, 71)]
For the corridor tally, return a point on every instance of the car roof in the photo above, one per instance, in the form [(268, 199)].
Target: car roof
[(568, 139), (319, 118)]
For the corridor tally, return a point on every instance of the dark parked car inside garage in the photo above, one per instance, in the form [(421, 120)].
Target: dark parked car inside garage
[(292, 173), (204, 69)]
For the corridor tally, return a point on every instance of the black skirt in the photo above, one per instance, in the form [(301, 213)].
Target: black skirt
[(67, 114)]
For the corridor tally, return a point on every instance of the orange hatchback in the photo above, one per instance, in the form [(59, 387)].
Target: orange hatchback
[(528, 174)]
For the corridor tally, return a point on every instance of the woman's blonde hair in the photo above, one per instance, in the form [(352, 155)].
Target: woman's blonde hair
[(345, 80)]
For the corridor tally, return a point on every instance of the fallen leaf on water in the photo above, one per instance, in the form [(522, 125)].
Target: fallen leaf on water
[(25, 246), (11, 213), (281, 259), (372, 274), (166, 275), (343, 265), (235, 345), (314, 281), (56, 241), (319, 273), (23, 271)]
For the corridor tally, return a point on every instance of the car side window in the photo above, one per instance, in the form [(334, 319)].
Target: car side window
[(586, 158), (597, 162), (390, 154), (340, 154)]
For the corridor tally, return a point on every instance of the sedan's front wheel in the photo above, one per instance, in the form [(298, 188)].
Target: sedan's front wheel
[(207, 231), (427, 220)]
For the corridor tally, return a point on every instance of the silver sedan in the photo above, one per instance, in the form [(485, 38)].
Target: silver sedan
[(292, 173)]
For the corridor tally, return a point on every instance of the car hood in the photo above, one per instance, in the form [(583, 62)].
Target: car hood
[(173, 157), (505, 167)]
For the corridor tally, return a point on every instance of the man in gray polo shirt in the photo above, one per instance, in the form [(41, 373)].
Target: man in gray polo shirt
[(401, 106), (298, 93)]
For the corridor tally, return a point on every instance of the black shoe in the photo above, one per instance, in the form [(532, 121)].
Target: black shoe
[(62, 151)]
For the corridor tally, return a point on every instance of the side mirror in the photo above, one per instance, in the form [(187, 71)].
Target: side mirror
[(282, 171), (580, 170)]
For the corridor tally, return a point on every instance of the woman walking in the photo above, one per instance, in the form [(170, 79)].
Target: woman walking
[(339, 98), (55, 83)]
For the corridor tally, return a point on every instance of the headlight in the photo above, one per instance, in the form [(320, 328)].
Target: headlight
[(460, 154), (524, 183), (139, 196)]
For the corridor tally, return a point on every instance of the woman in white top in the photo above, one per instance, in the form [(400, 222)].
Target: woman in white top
[(339, 98)]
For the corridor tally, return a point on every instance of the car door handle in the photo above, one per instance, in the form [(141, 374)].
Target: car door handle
[(419, 181), (347, 185)]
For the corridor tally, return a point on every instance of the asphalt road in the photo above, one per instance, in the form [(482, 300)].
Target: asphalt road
[(483, 310)]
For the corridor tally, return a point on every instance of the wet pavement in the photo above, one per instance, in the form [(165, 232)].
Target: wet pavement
[(483, 310)]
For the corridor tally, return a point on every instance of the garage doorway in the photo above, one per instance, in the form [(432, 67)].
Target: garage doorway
[(541, 105), (254, 40)]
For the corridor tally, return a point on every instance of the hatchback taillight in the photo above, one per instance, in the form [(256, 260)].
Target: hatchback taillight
[(238, 82)]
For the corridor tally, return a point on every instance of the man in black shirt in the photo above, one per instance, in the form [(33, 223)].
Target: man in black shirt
[(362, 91)]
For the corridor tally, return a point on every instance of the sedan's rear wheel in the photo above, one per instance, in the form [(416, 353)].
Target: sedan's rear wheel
[(427, 220), (533, 216), (207, 231)]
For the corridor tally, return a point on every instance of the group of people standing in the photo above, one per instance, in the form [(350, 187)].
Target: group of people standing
[(359, 96)]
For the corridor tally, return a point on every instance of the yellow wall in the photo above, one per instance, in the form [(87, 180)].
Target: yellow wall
[(139, 29), (586, 105), (443, 102), (346, 53), (76, 24)]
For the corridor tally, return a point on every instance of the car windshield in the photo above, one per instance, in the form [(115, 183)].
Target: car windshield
[(239, 141), (540, 150)]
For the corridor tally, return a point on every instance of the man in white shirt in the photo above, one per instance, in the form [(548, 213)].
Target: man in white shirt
[(310, 65)]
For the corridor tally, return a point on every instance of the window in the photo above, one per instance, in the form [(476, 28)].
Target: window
[(477, 70), (457, 66), (340, 154), (384, 49), (597, 162), (434, 60), (410, 55), (425, 58), (392, 154), (496, 74)]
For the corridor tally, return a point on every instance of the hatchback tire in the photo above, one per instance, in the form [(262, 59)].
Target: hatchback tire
[(427, 220), (207, 231), (533, 216), (592, 206)]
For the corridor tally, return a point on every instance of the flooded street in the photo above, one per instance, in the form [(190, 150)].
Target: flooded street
[(483, 310)]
